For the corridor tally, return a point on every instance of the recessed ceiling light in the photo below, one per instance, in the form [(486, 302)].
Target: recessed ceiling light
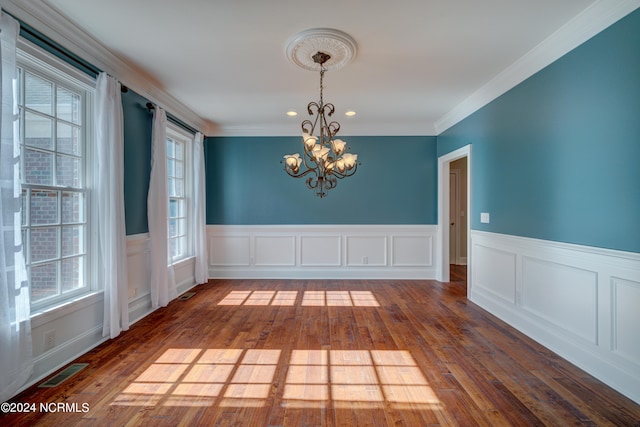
[(291, 113), (350, 113)]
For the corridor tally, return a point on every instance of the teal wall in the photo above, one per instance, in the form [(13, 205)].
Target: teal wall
[(558, 157), (137, 161), (247, 184)]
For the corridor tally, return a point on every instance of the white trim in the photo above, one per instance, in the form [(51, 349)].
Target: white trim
[(579, 301), (442, 252), (322, 251), (594, 19), (50, 22)]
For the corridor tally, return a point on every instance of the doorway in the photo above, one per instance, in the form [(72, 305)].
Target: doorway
[(458, 212), (446, 254)]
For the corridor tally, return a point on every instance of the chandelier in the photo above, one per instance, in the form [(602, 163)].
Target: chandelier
[(325, 159)]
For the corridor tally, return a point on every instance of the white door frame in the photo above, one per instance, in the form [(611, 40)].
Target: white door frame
[(442, 255)]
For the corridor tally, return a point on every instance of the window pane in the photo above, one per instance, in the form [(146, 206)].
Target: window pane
[(72, 240), (179, 188), (171, 170), (38, 94), (179, 151), (72, 273), (173, 248), (171, 187), (44, 207), (68, 171), (38, 167), (181, 208), (180, 169), (68, 106), (72, 207), (38, 131), (43, 282), (170, 148), (44, 243), (173, 227), (173, 208), (68, 139)]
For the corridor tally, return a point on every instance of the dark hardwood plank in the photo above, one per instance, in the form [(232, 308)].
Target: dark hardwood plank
[(423, 356)]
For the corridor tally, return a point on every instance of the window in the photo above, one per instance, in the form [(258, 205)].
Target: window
[(179, 186), (54, 120)]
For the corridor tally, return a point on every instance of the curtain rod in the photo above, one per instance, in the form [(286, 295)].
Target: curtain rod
[(173, 119)]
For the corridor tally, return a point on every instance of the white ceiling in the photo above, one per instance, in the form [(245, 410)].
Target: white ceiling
[(420, 66)]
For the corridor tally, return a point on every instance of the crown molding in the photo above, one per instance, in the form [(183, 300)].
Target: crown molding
[(369, 128), (594, 19), (50, 22)]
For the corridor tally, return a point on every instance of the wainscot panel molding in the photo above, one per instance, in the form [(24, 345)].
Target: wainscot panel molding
[(581, 302), (322, 251), (139, 276)]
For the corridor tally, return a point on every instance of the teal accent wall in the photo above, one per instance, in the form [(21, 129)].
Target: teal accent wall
[(247, 184), (137, 161), (558, 157)]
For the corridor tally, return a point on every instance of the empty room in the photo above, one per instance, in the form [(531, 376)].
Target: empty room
[(346, 213)]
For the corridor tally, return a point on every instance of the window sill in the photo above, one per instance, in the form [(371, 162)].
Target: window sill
[(184, 261), (48, 314)]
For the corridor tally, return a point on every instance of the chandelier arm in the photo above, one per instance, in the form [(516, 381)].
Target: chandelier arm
[(330, 109), (310, 107), (312, 183), (306, 123), (346, 174), (301, 174), (333, 128)]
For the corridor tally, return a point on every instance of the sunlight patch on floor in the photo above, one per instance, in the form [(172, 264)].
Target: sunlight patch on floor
[(314, 379), (309, 298)]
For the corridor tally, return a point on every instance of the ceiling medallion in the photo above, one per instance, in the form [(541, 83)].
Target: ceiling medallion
[(340, 46)]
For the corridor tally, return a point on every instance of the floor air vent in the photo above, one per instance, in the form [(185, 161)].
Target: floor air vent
[(63, 375), (186, 296)]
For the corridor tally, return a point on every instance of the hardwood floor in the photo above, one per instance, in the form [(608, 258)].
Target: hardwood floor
[(326, 353)]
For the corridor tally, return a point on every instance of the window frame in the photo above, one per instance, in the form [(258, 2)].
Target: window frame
[(43, 64), (184, 137)]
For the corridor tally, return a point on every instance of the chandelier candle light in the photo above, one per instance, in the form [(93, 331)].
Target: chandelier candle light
[(325, 158)]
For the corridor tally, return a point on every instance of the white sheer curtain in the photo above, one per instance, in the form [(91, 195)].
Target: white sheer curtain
[(16, 358), (163, 282), (108, 162), (199, 207)]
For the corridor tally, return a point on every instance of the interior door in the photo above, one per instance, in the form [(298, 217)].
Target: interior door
[(454, 177)]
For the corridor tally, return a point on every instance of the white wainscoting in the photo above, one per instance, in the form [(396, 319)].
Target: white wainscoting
[(581, 302), (322, 251), (139, 276)]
